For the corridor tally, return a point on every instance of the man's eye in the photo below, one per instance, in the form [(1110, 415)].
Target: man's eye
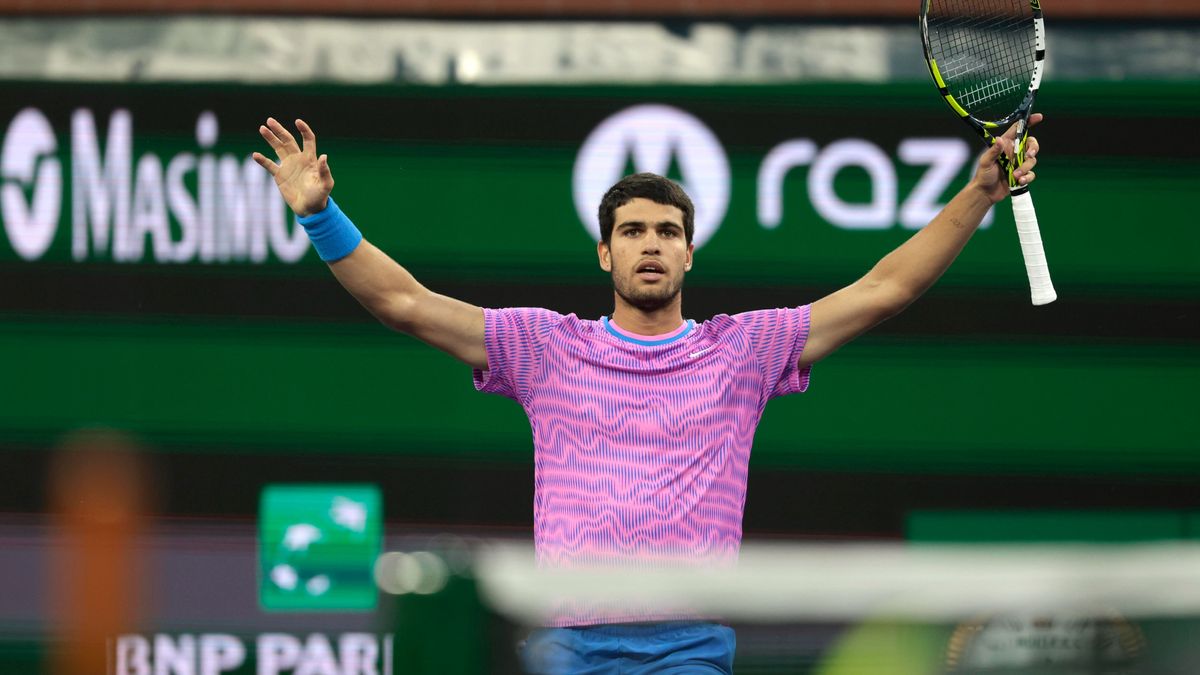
[(669, 233), (631, 233)]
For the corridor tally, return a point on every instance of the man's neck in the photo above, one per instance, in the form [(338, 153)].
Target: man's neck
[(655, 322)]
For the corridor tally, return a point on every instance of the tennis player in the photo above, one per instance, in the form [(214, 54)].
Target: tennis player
[(643, 420)]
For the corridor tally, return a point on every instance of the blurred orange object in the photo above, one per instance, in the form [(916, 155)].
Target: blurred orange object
[(100, 493)]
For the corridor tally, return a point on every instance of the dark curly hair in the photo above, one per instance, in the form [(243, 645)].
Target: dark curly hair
[(650, 186)]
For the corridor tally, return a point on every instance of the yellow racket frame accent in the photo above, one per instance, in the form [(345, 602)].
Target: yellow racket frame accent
[(937, 77)]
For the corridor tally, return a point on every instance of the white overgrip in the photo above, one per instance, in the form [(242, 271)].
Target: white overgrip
[(1040, 286)]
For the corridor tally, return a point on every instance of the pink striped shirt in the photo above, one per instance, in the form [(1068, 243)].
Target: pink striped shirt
[(641, 444)]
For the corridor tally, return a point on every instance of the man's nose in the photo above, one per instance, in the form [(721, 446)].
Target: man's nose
[(651, 244)]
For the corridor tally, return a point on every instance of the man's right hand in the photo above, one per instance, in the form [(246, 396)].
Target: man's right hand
[(303, 178)]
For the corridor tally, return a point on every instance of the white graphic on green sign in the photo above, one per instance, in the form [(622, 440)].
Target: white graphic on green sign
[(660, 139), (317, 547)]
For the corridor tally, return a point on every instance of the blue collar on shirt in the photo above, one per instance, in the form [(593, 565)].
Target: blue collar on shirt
[(648, 343)]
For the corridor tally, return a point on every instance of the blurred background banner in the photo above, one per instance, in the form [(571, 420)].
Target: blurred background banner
[(153, 282), (168, 284), (795, 184), (758, 9)]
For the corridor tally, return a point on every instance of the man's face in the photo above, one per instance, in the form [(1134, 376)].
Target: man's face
[(648, 254)]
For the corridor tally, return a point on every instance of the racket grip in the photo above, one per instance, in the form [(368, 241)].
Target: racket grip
[(1040, 286)]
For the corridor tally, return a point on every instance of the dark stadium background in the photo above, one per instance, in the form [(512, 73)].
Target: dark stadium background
[(232, 376)]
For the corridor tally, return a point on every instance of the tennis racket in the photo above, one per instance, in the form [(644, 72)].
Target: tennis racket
[(986, 57)]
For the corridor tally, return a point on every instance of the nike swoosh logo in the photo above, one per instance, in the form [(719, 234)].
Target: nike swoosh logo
[(698, 353)]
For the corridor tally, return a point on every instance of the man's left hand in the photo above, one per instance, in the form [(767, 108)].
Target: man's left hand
[(990, 178)]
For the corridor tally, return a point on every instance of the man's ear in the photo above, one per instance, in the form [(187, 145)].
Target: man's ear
[(687, 264), (605, 256)]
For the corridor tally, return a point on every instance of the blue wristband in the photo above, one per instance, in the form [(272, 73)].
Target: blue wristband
[(331, 232)]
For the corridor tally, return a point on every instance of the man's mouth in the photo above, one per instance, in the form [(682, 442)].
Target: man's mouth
[(650, 271)]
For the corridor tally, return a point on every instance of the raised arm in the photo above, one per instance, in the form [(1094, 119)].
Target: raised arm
[(385, 288), (907, 272)]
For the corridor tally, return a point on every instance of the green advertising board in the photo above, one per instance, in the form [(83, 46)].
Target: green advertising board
[(153, 281), (792, 184)]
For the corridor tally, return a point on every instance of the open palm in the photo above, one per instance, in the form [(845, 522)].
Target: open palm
[(303, 177)]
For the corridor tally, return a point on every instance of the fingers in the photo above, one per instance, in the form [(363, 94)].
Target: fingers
[(285, 143), (281, 131), (271, 167), (310, 139), (1034, 119), (1024, 173), (270, 137), (992, 154)]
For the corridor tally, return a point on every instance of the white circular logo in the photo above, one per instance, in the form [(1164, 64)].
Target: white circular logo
[(650, 138), (27, 159)]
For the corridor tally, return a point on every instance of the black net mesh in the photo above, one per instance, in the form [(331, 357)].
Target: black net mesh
[(985, 52)]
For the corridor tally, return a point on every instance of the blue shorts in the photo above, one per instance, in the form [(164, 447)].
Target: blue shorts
[(630, 649)]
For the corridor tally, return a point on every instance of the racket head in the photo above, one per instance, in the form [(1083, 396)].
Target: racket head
[(986, 57)]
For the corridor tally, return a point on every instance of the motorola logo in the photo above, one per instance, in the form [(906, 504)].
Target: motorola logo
[(671, 142), (656, 139)]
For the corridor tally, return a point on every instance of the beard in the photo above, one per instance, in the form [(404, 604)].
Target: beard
[(647, 298)]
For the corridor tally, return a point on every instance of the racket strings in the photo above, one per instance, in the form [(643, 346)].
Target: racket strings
[(985, 52)]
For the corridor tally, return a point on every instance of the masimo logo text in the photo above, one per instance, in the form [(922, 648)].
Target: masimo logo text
[(657, 138), (131, 211)]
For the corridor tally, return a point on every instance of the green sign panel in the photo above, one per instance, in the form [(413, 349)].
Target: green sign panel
[(317, 547), (157, 284), (809, 183)]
